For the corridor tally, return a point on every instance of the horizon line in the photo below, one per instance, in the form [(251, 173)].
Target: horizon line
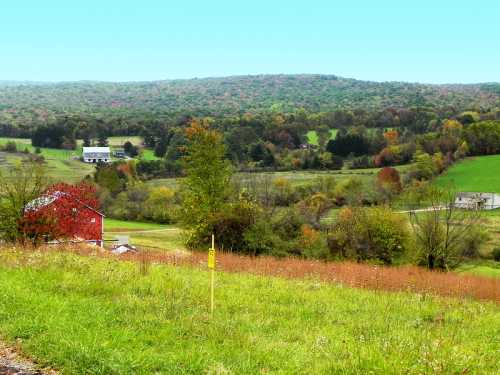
[(55, 82)]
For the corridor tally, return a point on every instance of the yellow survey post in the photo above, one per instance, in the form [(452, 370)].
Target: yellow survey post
[(211, 266)]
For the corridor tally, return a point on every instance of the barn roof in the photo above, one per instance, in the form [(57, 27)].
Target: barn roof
[(467, 194), (95, 149), (45, 200)]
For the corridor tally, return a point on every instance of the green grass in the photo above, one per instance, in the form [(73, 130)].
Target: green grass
[(64, 165), (117, 225), (312, 136), (58, 169), (477, 174), (151, 235), (148, 154), (296, 178), (48, 153), (481, 268), (94, 316)]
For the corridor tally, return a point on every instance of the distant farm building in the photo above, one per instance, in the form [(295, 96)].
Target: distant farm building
[(477, 201), (119, 154), (86, 223), (96, 154)]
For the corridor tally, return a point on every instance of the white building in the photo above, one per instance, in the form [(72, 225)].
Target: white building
[(478, 201), (96, 154)]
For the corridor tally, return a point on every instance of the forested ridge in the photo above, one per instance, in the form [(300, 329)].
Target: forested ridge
[(239, 94)]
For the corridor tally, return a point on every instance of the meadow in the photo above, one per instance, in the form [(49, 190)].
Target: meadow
[(312, 136), (84, 315), (295, 178), (144, 235), (475, 174), (64, 165)]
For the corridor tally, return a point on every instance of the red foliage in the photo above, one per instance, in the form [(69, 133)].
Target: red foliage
[(63, 211), (389, 178), (384, 157)]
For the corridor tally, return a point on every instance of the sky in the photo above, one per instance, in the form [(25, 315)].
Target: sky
[(438, 41)]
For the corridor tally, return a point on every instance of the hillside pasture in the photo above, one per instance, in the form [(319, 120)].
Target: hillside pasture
[(475, 174), (64, 165), (58, 169), (114, 318)]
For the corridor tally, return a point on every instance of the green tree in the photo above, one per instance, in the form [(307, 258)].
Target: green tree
[(207, 182), (442, 229), (21, 185)]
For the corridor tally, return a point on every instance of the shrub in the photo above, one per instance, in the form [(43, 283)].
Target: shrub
[(496, 254), (10, 146), (473, 241), (369, 233), (261, 239), (313, 243)]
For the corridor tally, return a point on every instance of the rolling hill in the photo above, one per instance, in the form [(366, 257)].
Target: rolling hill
[(238, 94)]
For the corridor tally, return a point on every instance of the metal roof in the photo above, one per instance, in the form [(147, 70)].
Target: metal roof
[(95, 149)]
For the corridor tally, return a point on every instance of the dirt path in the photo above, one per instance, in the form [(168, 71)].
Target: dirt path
[(11, 363)]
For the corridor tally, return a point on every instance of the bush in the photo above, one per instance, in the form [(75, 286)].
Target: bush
[(10, 146), (229, 225), (261, 239), (313, 243), (473, 242), (369, 233), (496, 254)]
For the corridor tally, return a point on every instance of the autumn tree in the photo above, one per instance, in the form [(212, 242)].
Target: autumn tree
[(207, 182), (389, 182), (61, 212), (391, 137), (22, 184)]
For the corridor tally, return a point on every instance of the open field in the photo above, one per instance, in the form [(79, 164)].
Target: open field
[(58, 169), (476, 174), (312, 136), (115, 225), (145, 235), (112, 318), (63, 165), (296, 178), (481, 268), (118, 141)]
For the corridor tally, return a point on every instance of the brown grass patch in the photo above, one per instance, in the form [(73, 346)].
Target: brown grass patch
[(395, 279)]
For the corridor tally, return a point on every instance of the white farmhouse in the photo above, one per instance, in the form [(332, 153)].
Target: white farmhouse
[(478, 201), (96, 154)]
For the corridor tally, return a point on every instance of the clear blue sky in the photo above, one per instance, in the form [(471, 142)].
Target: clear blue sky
[(426, 41)]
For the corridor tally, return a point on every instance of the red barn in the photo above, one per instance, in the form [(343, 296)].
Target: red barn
[(61, 216)]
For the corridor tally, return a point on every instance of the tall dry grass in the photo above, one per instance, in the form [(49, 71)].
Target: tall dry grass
[(405, 278)]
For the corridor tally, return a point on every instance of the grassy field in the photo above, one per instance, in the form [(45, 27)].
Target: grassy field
[(86, 315), (145, 235), (312, 136), (63, 165), (58, 168), (481, 268), (126, 225), (476, 174), (296, 178)]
